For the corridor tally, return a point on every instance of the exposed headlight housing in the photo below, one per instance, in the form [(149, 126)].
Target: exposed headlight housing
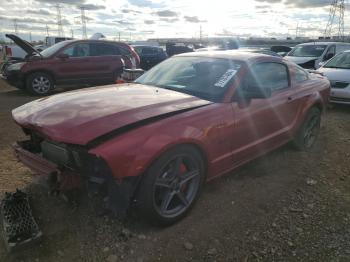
[(15, 67)]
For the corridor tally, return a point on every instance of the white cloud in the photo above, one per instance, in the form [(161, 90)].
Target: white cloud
[(167, 18)]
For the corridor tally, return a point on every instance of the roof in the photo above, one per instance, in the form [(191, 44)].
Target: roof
[(324, 43), (229, 54)]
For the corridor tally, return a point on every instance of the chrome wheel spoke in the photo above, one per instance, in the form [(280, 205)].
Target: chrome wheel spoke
[(164, 182), (183, 198), (188, 177), (167, 199)]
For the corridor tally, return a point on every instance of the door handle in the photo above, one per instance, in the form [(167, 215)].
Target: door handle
[(290, 99)]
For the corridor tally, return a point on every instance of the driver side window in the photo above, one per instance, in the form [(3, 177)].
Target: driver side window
[(78, 50), (269, 75)]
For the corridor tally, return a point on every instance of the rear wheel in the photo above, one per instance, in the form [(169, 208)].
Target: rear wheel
[(39, 83), (309, 131), (171, 185)]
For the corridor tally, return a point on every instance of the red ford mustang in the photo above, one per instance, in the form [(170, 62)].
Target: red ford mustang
[(154, 142)]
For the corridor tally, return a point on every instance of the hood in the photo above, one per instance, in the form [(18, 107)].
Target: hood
[(300, 60), (27, 47), (78, 117), (336, 74)]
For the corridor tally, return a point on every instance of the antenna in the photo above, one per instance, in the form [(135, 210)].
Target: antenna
[(336, 19), (59, 21), (83, 21)]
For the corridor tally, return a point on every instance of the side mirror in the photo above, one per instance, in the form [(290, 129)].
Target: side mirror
[(328, 56), (62, 56), (256, 92), (320, 64)]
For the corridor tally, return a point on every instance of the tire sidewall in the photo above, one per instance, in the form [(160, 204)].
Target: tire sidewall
[(299, 141)]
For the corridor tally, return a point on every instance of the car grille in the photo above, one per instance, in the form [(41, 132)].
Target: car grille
[(338, 99), (338, 84)]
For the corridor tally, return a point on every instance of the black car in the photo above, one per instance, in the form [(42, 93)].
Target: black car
[(150, 55)]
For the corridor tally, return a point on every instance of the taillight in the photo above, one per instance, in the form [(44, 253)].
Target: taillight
[(8, 51)]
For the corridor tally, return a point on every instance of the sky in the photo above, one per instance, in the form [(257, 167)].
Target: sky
[(144, 19)]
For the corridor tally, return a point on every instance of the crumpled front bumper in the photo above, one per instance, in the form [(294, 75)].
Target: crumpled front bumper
[(35, 162)]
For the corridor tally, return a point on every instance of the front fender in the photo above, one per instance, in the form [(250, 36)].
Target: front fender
[(130, 154)]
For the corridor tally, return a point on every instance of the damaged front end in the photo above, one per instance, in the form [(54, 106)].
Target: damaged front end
[(69, 167)]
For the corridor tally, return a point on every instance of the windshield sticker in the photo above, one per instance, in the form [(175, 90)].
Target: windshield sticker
[(226, 77)]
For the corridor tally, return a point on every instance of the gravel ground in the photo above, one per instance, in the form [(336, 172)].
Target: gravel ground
[(286, 206)]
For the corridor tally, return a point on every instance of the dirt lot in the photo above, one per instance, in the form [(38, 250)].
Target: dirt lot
[(286, 206)]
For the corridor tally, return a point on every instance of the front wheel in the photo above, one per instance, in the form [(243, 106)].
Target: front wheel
[(309, 131), (39, 83), (171, 185)]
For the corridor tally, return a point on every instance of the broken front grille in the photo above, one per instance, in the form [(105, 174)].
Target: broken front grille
[(18, 224)]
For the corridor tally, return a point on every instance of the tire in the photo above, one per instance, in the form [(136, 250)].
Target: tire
[(39, 83), (171, 186), (309, 131)]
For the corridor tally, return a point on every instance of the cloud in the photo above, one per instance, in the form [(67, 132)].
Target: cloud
[(149, 22), (169, 20), (39, 11), (91, 7), (69, 2), (193, 19), (130, 11), (308, 3), (145, 3), (166, 13)]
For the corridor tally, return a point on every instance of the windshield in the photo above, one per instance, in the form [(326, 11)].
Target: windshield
[(207, 78), (308, 51), (342, 60), (53, 49)]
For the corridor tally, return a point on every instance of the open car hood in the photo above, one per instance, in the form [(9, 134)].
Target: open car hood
[(80, 116), (27, 47)]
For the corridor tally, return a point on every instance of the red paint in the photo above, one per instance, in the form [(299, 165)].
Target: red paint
[(227, 133)]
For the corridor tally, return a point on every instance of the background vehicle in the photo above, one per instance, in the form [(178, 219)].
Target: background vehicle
[(69, 62), (310, 55), (337, 70), (189, 119), (150, 55), (260, 51)]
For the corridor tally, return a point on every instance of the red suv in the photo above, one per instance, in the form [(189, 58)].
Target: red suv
[(69, 62)]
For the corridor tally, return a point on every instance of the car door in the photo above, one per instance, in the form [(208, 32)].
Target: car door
[(107, 60), (264, 123), (73, 64)]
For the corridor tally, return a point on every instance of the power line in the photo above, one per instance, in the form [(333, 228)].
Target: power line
[(59, 21), (83, 22), (335, 24)]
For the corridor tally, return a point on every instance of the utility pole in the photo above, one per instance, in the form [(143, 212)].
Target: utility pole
[(336, 19), (200, 34), (72, 33), (83, 22), (30, 37), (59, 21), (15, 26), (297, 31), (119, 36), (47, 31)]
